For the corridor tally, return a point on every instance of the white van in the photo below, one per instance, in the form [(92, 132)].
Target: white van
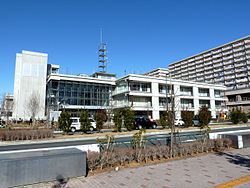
[(76, 124)]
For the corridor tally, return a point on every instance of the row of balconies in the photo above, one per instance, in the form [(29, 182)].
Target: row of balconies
[(230, 82), (208, 72), (238, 49), (239, 54), (205, 57), (226, 48), (200, 79), (240, 64), (218, 79), (241, 86), (227, 52), (208, 59), (218, 65), (192, 76), (209, 81), (227, 57), (216, 51), (208, 67), (238, 44), (228, 61), (200, 71), (200, 65), (209, 76), (229, 77), (217, 60), (217, 55), (228, 67), (247, 41), (241, 80), (239, 59), (208, 63), (241, 75), (240, 69)]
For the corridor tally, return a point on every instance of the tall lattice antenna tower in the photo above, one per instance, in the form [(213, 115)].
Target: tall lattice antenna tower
[(102, 55)]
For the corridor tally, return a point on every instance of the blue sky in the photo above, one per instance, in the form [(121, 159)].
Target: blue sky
[(141, 34)]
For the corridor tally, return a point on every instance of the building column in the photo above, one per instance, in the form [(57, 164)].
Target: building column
[(196, 100), (155, 101), (177, 102), (212, 103), (213, 109)]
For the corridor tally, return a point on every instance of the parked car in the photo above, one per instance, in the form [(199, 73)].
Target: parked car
[(76, 124), (179, 122), (145, 122)]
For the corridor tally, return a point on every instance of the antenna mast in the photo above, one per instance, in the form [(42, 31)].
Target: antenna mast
[(102, 55)]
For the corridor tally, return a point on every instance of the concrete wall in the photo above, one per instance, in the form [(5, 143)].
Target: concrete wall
[(38, 166)]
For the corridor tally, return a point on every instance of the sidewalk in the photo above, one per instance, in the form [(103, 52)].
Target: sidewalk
[(204, 171)]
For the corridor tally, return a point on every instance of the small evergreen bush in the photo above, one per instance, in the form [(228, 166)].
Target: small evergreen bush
[(64, 122)]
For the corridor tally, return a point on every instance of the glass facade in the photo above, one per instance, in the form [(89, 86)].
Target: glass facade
[(85, 94)]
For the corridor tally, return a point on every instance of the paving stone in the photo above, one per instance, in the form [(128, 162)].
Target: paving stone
[(203, 171)]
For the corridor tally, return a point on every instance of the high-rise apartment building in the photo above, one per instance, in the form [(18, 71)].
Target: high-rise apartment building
[(228, 64), (30, 85)]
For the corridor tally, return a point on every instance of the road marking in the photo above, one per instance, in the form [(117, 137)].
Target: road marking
[(234, 182), (89, 147)]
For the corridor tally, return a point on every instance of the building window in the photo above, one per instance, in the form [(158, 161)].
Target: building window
[(204, 103), (188, 91), (203, 92)]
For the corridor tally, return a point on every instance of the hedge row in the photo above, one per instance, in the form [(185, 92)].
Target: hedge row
[(25, 134), (125, 156)]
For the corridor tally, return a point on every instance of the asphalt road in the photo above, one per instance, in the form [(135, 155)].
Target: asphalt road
[(124, 139)]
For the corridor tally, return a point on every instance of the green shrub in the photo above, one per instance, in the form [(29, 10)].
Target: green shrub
[(235, 116), (101, 117), (187, 117), (244, 118), (118, 120), (64, 122), (204, 116), (126, 116), (163, 120), (129, 118), (85, 121)]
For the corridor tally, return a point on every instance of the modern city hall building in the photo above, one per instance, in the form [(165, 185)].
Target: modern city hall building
[(145, 94)]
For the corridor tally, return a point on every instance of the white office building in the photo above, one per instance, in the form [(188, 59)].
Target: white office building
[(146, 95), (30, 85)]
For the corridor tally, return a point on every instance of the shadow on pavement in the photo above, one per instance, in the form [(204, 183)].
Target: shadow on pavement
[(238, 159)]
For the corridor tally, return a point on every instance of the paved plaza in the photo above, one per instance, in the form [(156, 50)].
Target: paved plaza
[(203, 171)]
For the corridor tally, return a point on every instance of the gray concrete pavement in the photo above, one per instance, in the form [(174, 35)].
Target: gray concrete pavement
[(203, 171)]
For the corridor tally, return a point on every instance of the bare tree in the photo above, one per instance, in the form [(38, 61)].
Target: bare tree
[(171, 114), (33, 105)]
